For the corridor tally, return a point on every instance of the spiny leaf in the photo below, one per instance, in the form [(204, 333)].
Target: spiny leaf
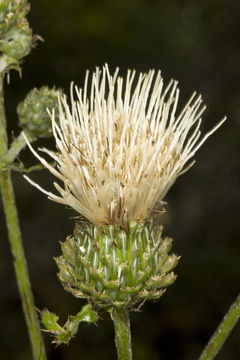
[(50, 321), (62, 335)]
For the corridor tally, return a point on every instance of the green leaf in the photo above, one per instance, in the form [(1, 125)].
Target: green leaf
[(50, 321), (63, 338), (87, 314), (62, 335)]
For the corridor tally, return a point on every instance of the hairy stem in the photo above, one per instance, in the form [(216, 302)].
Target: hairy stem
[(222, 332), (15, 240), (122, 333), (17, 145)]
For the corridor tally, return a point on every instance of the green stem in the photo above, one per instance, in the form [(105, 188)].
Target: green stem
[(15, 240), (17, 145), (3, 132), (122, 333), (222, 332)]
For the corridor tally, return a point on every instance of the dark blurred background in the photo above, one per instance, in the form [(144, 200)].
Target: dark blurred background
[(198, 43)]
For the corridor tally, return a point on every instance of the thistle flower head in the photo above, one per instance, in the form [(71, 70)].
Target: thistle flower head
[(121, 144)]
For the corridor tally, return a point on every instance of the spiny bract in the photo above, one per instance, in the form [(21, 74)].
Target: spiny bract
[(114, 268)]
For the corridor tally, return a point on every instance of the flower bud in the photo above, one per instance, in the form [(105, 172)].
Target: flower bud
[(5, 6), (33, 113), (11, 13), (113, 268), (16, 43)]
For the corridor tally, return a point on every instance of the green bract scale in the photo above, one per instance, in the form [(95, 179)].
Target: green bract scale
[(113, 268), (32, 112)]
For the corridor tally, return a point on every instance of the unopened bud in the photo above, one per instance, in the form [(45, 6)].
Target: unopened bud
[(16, 43), (12, 12), (33, 113)]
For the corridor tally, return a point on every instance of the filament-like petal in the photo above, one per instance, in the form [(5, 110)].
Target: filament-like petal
[(120, 150)]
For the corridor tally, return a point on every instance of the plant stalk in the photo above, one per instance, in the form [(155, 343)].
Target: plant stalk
[(17, 145), (121, 322), (15, 240), (222, 332)]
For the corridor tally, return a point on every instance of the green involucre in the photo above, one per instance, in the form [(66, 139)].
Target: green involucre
[(113, 268)]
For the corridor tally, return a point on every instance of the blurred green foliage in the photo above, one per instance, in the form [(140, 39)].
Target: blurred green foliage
[(197, 43)]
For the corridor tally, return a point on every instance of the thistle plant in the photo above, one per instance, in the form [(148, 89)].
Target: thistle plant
[(120, 147), (121, 144)]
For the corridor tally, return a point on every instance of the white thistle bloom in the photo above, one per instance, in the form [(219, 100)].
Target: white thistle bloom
[(120, 150)]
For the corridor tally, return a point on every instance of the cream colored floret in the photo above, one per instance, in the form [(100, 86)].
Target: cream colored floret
[(121, 148)]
